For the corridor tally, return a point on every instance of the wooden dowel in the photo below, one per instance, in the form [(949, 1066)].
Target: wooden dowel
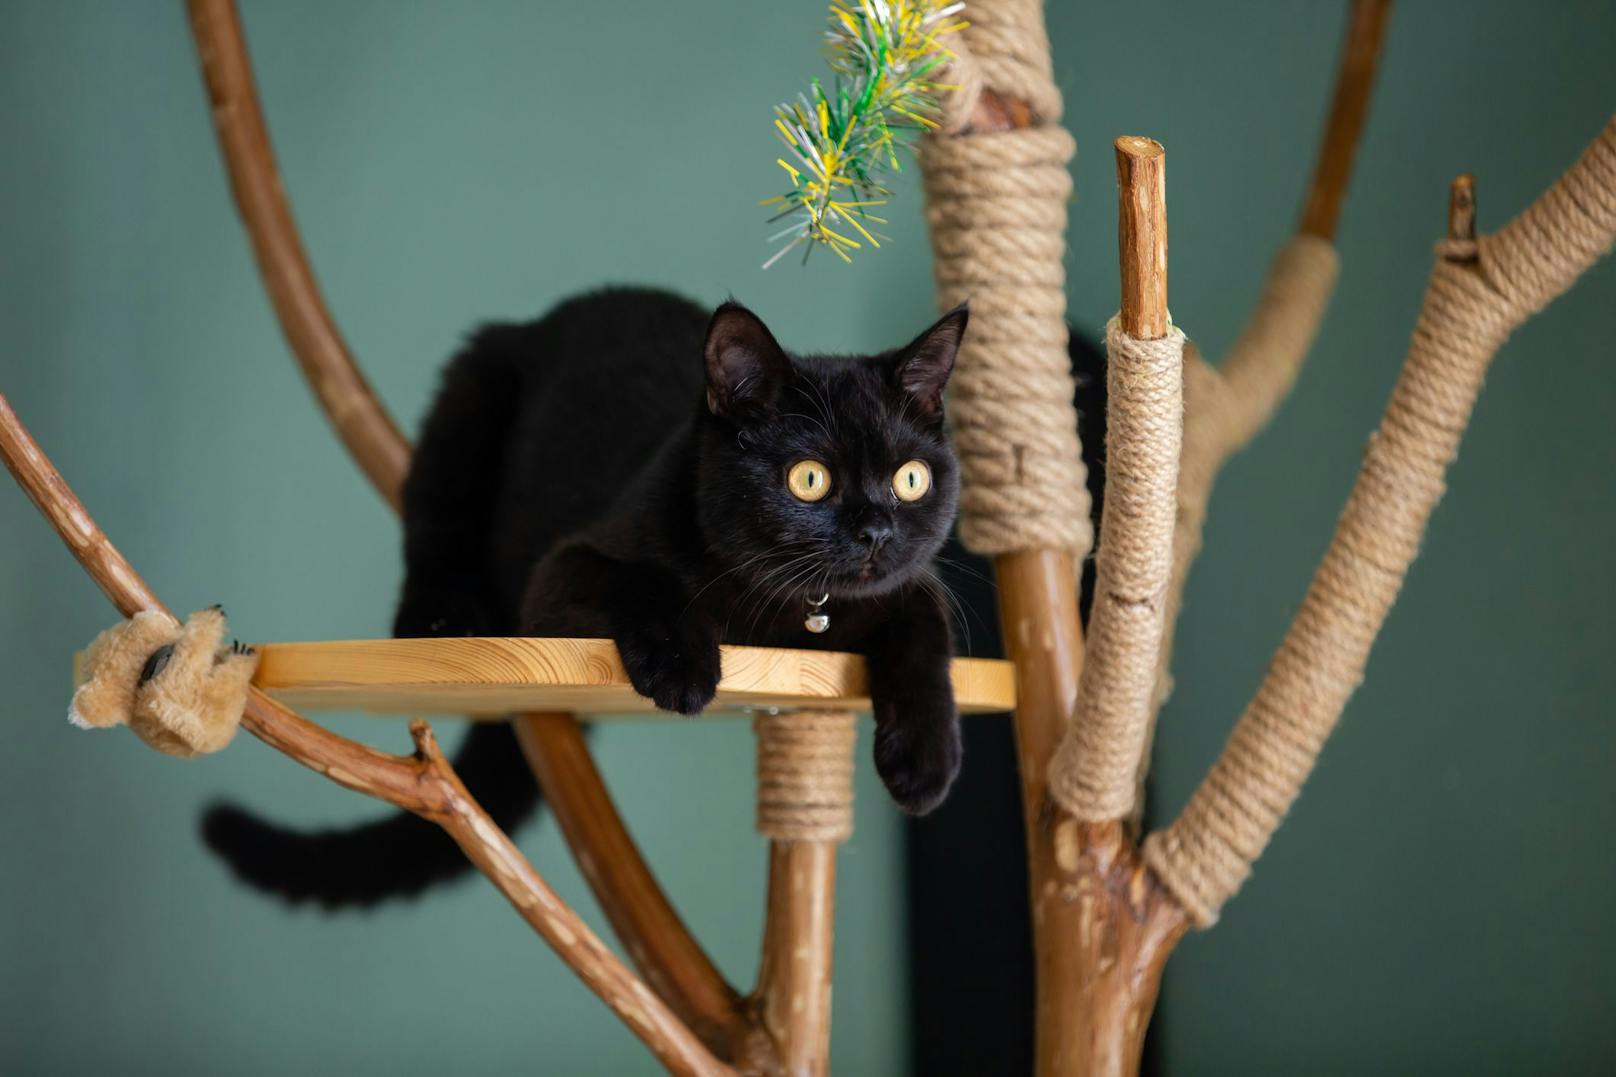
[(793, 992), (1355, 77), (348, 400), (1142, 236)]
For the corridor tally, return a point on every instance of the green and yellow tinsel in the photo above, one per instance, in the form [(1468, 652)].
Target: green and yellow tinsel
[(842, 142)]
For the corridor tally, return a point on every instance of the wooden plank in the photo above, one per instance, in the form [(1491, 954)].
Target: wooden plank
[(493, 677)]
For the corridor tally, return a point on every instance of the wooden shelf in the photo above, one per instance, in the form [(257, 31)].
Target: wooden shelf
[(492, 677)]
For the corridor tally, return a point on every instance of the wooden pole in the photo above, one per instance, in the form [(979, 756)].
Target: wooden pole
[(794, 978), (805, 809), (370, 434), (1349, 107), (1142, 236)]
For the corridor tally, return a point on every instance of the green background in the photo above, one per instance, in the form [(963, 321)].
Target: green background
[(1439, 900)]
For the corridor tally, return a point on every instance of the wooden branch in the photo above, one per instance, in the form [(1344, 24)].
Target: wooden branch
[(805, 809), (1093, 775), (657, 940), (1355, 78), (1478, 294), (1044, 639), (1462, 209), (1142, 236), (792, 999), (423, 783), (346, 397)]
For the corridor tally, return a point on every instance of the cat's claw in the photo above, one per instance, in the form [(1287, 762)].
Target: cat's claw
[(676, 670), (918, 757)]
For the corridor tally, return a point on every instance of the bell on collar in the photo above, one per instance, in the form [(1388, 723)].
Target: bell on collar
[(817, 620)]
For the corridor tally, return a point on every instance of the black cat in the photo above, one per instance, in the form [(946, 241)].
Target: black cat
[(628, 467)]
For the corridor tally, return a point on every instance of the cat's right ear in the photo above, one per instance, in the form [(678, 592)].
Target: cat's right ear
[(745, 367)]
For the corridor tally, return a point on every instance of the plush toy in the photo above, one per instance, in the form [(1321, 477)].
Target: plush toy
[(177, 686)]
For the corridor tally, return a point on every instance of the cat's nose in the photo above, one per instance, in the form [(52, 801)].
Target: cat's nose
[(874, 535)]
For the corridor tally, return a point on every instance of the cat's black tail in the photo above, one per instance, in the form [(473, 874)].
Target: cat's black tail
[(449, 590), (396, 856)]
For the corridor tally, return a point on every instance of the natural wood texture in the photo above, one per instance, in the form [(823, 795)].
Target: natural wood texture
[(1142, 236), (346, 397), (657, 940), (493, 677), (422, 783), (1355, 77), (792, 999), (1462, 208)]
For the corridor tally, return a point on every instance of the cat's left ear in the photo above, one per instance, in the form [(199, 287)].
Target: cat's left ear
[(745, 367), (921, 369)]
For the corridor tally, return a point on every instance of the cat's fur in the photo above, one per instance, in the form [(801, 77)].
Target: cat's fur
[(618, 469)]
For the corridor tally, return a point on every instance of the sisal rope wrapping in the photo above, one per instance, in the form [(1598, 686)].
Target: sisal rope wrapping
[(805, 775), (996, 211), (1478, 294), (1093, 771)]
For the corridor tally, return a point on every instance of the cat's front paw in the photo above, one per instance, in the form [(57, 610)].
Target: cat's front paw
[(918, 757), (677, 668)]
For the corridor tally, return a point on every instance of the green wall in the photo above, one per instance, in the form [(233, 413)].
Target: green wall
[(1438, 903)]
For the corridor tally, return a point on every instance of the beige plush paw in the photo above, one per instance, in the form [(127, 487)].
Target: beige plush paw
[(178, 687)]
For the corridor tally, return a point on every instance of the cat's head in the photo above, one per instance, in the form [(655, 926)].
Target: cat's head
[(826, 474)]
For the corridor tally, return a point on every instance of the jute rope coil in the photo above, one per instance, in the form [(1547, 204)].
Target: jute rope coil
[(1478, 294), (805, 775), (1092, 774), (996, 210)]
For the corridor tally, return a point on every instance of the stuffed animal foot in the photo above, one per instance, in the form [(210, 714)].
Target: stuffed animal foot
[(177, 686)]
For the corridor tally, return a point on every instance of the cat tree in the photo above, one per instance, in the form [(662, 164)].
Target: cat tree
[(1108, 908)]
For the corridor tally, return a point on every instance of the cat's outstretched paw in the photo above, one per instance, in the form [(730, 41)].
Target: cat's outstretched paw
[(676, 668), (918, 757)]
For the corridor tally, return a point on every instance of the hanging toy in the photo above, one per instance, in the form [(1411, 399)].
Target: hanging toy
[(842, 142)]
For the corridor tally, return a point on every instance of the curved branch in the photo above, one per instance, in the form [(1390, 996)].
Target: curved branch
[(1480, 291), (346, 397), (423, 783), (1366, 28)]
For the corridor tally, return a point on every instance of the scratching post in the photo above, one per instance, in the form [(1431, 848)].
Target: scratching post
[(805, 809)]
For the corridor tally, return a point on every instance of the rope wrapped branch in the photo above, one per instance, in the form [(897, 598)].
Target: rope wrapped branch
[(996, 211), (1093, 771), (1479, 292)]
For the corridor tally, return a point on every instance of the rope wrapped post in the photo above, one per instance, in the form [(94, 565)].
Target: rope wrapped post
[(1480, 291), (996, 189), (805, 809), (1093, 775)]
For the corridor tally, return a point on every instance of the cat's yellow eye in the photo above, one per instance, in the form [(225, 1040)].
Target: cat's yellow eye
[(809, 480), (912, 481)]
